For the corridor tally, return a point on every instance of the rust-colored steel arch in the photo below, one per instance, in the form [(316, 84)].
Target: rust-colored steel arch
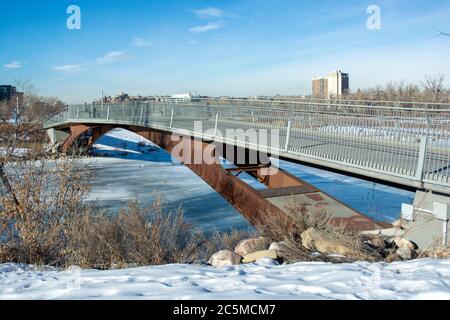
[(254, 205)]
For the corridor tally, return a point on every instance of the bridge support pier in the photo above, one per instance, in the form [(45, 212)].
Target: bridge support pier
[(427, 219), (57, 136)]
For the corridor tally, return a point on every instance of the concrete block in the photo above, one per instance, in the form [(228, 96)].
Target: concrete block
[(441, 211), (407, 212)]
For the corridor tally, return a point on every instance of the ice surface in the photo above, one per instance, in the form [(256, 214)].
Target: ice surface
[(133, 168)]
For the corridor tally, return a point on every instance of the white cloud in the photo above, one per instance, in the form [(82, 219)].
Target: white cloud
[(13, 65), (112, 57), (205, 28), (69, 68), (139, 42), (210, 12)]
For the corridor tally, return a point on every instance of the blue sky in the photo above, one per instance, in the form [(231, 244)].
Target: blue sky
[(232, 47)]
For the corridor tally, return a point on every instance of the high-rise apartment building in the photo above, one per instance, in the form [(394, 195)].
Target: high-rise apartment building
[(338, 84), (7, 93), (10, 95), (320, 87), (334, 85)]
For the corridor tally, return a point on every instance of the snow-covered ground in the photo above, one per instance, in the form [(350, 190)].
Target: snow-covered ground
[(420, 279), (17, 152)]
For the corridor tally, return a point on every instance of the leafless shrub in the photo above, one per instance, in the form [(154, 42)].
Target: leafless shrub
[(298, 219), (136, 237), (157, 236), (288, 229), (93, 241), (38, 197)]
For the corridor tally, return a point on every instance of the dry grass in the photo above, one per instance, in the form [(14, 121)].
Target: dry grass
[(38, 198), (136, 237), (289, 228), (436, 250), (297, 220)]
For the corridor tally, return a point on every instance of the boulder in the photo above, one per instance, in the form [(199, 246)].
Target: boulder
[(403, 243), (399, 224), (249, 246), (406, 253), (328, 243), (376, 242), (225, 258), (278, 246), (253, 257)]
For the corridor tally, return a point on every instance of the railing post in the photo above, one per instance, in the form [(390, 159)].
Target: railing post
[(171, 120), (422, 155), (142, 114), (107, 113), (216, 125), (288, 135), (78, 112)]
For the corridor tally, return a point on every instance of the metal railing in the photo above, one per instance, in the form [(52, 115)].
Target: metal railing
[(410, 146)]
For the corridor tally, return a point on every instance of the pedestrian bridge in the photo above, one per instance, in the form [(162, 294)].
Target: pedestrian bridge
[(408, 146)]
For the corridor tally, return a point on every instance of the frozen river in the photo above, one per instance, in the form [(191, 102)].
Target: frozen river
[(135, 169)]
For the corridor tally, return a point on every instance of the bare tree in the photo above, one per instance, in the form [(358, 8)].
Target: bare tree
[(430, 90), (36, 108), (434, 88)]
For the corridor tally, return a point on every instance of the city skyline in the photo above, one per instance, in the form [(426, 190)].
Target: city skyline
[(236, 48)]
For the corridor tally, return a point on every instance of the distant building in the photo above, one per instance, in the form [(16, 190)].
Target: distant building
[(10, 95), (7, 93), (185, 97), (320, 87), (121, 97), (334, 85), (338, 84)]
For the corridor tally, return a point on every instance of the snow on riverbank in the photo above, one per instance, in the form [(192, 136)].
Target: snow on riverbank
[(420, 279)]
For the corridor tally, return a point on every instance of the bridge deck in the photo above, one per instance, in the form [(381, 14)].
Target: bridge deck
[(409, 147)]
